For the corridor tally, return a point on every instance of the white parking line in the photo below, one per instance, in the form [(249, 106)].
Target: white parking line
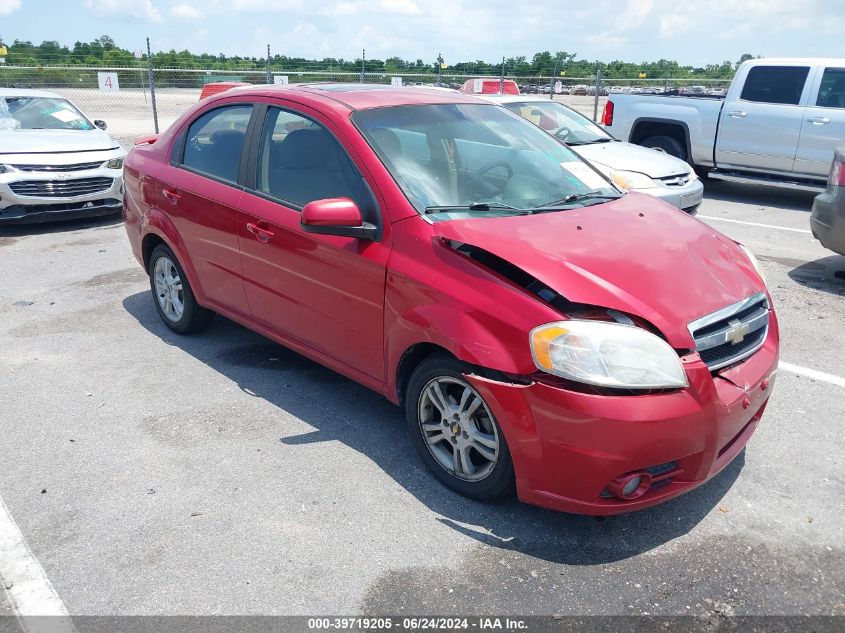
[(812, 373), (25, 582), (765, 226)]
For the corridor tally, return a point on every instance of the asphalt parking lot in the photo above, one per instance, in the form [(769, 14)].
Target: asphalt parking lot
[(222, 474)]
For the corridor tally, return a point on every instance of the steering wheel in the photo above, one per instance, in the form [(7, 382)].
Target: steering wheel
[(562, 132), (483, 186)]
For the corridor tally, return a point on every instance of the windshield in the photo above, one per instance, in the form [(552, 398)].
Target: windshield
[(478, 159), (40, 113), (567, 125)]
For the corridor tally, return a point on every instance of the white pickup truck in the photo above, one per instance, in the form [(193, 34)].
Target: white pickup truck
[(778, 124)]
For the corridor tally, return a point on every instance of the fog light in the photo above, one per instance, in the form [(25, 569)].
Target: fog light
[(631, 487)]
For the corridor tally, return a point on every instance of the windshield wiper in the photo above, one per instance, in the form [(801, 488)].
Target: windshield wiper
[(575, 197), (476, 206), (595, 140)]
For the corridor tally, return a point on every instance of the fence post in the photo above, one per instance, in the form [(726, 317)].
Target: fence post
[(598, 89), (502, 78), (269, 74), (152, 85), (363, 62), (552, 82)]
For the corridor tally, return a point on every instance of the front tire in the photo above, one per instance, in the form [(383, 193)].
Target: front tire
[(172, 294), (667, 145), (455, 432)]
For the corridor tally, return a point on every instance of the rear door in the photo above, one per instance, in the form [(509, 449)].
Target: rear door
[(322, 291), (759, 128), (200, 194), (823, 128)]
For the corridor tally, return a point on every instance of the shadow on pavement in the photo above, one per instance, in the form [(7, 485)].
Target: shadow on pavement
[(758, 195), (372, 426), (827, 274), (60, 226)]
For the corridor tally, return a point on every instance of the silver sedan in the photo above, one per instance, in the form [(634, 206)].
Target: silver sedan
[(54, 162), (628, 166)]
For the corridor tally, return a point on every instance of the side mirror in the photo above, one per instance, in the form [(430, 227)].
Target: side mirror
[(100, 124), (336, 216)]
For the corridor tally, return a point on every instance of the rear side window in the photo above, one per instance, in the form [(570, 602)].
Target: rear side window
[(215, 142), (832, 89), (775, 84)]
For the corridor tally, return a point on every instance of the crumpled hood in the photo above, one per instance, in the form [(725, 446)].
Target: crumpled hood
[(629, 157), (636, 254), (47, 141)]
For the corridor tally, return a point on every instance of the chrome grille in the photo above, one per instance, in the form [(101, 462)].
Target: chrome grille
[(678, 180), (54, 168), (729, 335), (61, 188)]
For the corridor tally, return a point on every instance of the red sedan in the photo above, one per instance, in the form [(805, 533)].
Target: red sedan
[(597, 352)]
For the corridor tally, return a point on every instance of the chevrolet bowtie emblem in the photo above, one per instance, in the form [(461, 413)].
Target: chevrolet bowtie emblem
[(736, 332)]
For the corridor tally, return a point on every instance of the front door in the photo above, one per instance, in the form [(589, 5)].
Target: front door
[(823, 128), (324, 291)]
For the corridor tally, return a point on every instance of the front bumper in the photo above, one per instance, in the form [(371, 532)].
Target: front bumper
[(828, 220), (569, 446), (687, 197), (51, 203)]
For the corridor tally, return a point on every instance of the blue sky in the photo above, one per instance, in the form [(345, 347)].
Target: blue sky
[(695, 33)]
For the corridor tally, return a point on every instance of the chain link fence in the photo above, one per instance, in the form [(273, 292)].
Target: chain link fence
[(126, 101)]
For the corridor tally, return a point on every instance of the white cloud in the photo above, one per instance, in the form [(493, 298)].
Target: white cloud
[(138, 9), (671, 25), (185, 12), (406, 7), (342, 8), (9, 6), (634, 14)]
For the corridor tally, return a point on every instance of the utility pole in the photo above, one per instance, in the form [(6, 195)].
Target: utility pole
[(269, 74), (502, 78), (598, 89), (439, 68), (363, 61), (152, 85)]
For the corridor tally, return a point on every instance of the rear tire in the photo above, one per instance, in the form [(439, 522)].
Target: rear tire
[(172, 294), (667, 145), (445, 416)]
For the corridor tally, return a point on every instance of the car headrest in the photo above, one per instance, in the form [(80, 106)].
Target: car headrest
[(305, 149)]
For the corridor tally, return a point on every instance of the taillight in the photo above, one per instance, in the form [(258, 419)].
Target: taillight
[(607, 115), (837, 174)]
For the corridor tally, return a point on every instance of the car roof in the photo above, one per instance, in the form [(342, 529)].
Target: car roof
[(26, 92), (514, 98), (354, 96)]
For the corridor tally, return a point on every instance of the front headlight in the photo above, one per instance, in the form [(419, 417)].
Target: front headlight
[(754, 262), (114, 163), (631, 180), (607, 355)]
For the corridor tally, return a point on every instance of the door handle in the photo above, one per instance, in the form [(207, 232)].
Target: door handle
[(737, 114), (819, 120), (263, 235), (171, 195)]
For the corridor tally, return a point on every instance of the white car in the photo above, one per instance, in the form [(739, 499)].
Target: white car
[(54, 162), (628, 166)]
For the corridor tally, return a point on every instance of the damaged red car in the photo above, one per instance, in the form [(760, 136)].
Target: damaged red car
[(595, 352)]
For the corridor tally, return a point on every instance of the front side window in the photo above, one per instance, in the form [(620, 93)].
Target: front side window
[(775, 84), (40, 113), (215, 142), (832, 89), (300, 161), (454, 159), (559, 121)]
